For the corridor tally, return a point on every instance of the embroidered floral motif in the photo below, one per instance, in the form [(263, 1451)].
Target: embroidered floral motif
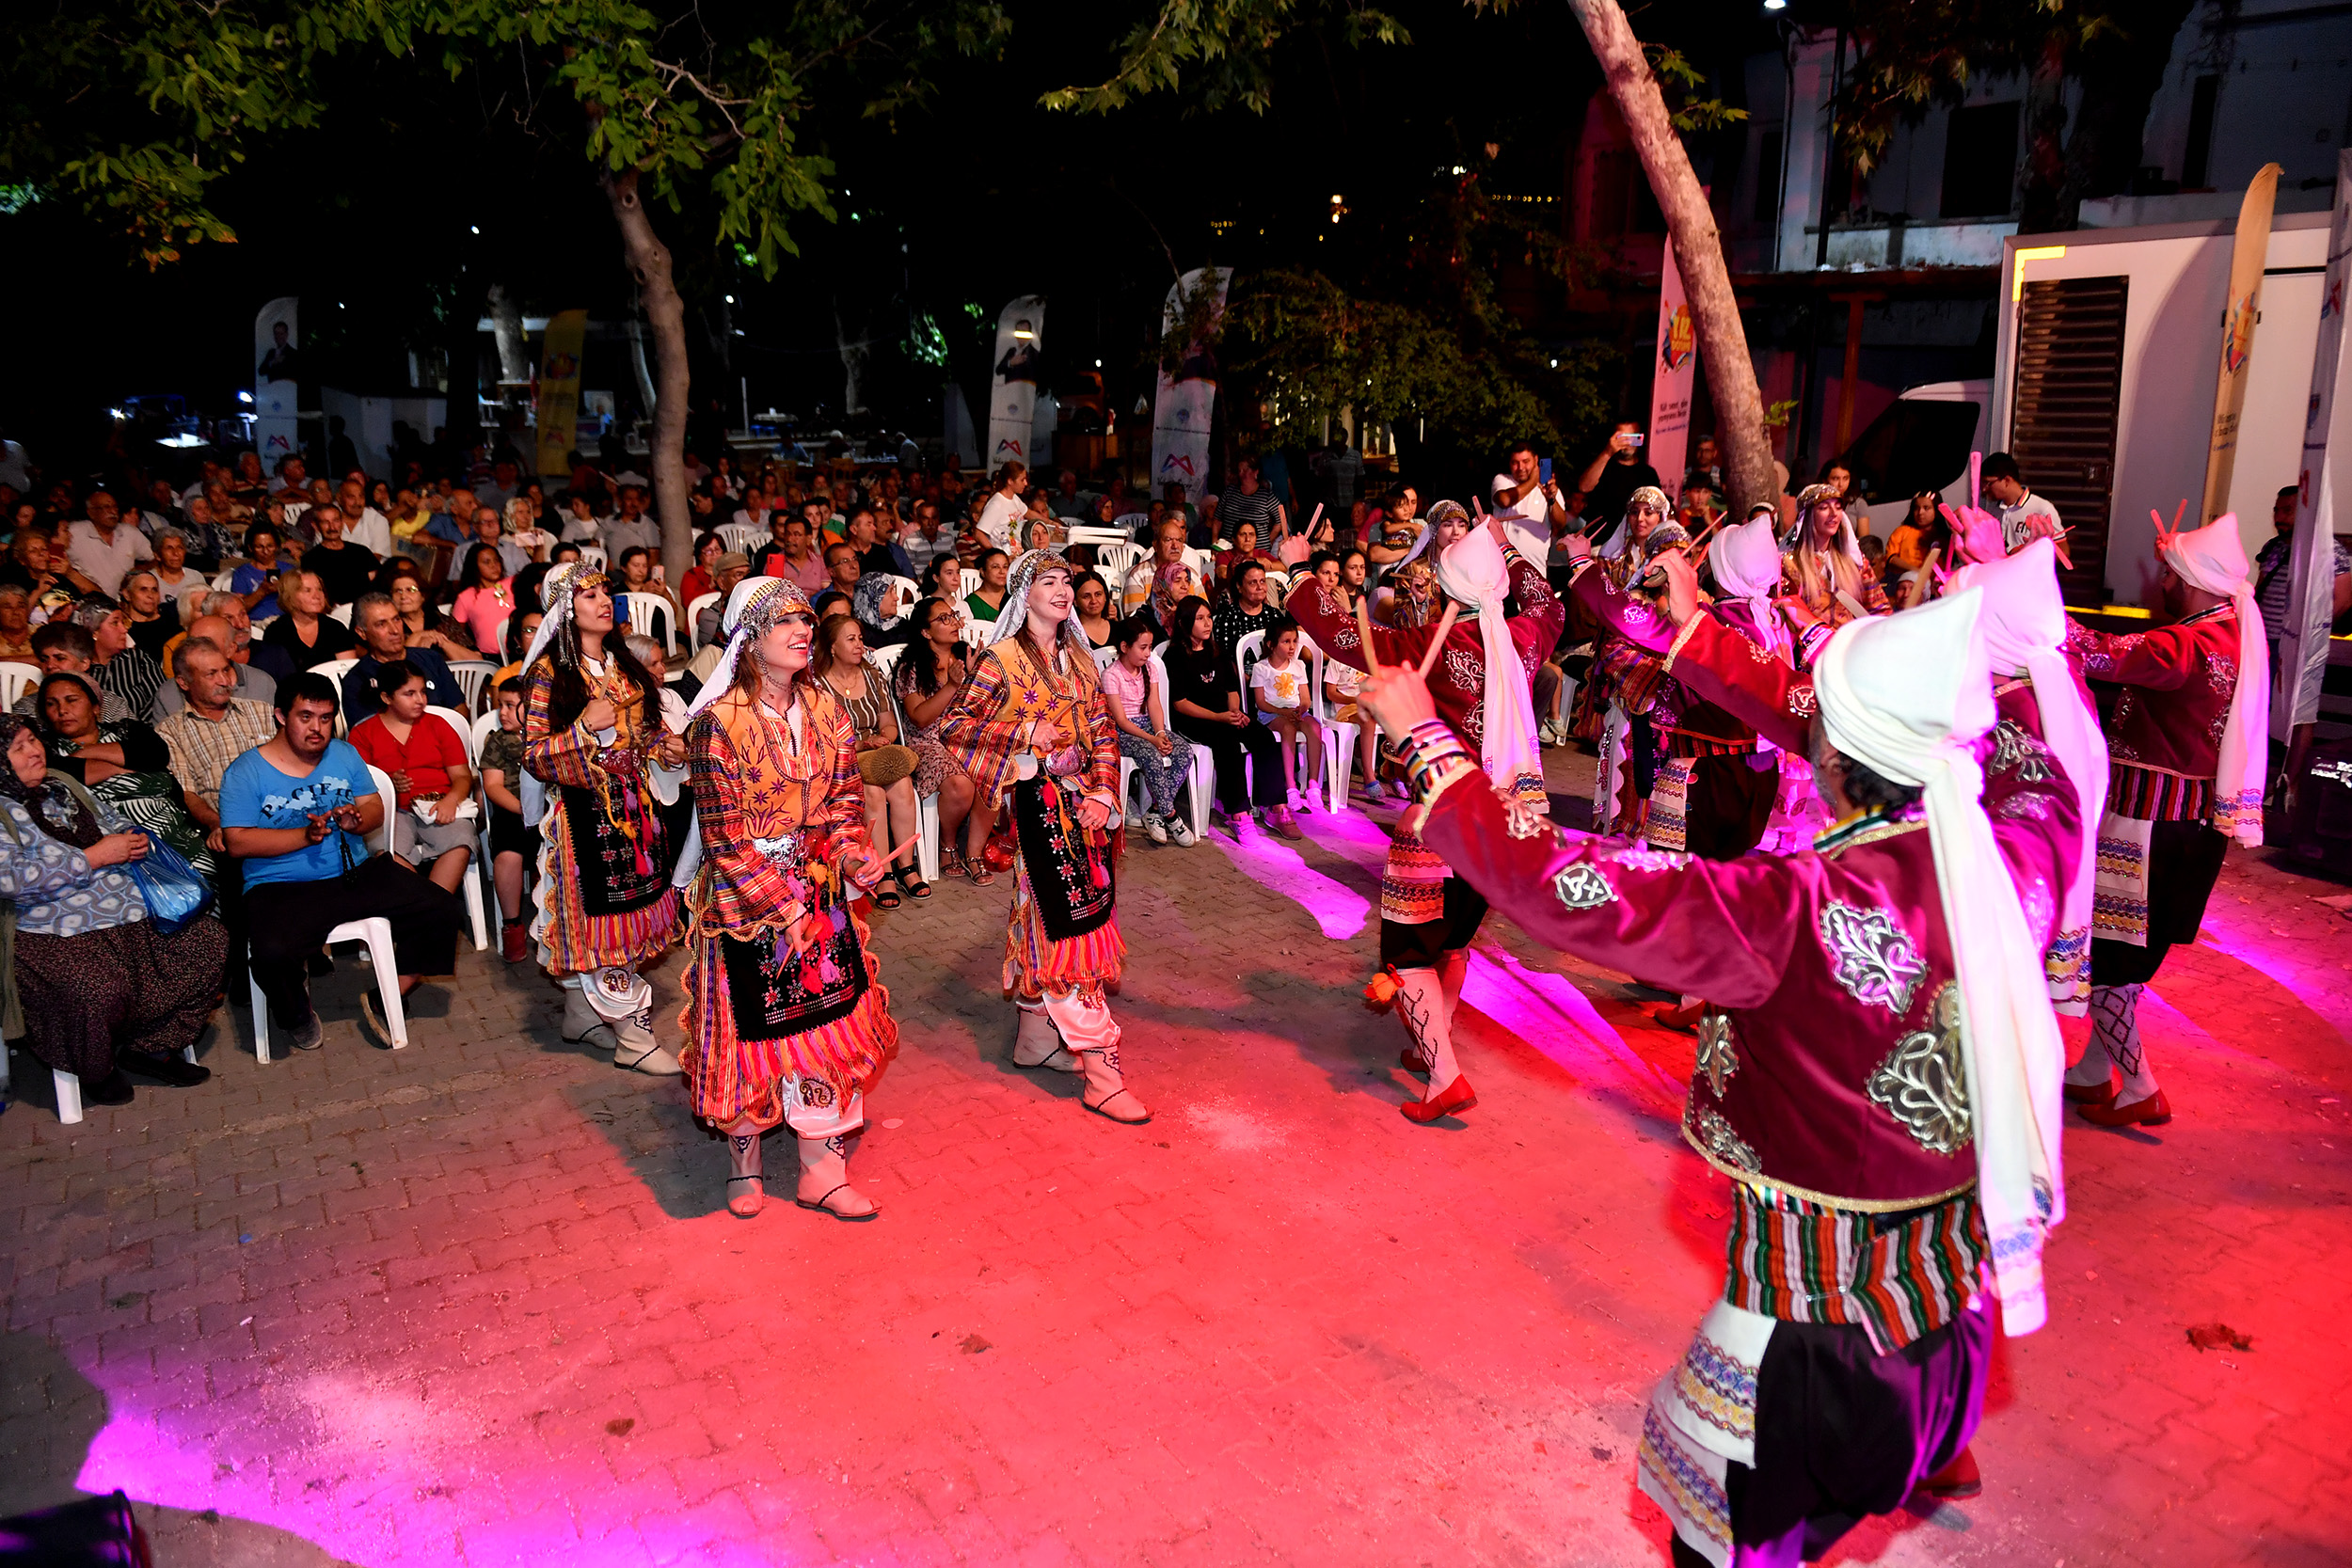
[(1802, 701), (1872, 956), (2013, 746), (1583, 887), (1464, 669), (2020, 807), (1718, 1059), (1638, 857), (1714, 1134), (1924, 1085), (1474, 721), (815, 1092)]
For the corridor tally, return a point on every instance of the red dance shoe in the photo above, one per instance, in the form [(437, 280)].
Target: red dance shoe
[(2154, 1111), (1458, 1096), (2090, 1094), (1956, 1480)]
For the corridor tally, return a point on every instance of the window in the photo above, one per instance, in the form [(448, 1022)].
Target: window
[(1980, 161)]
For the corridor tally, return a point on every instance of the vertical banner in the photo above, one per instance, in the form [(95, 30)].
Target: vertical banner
[(1012, 390), (559, 390), (277, 366), (1188, 400), (2303, 651), (2237, 336), (1671, 376)]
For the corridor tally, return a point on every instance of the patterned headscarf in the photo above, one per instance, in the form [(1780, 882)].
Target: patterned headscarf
[(556, 592), (1173, 584), (53, 807), (1847, 541), (1014, 617), (1620, 540), (754, 607), (1441, 513), (865, 601)]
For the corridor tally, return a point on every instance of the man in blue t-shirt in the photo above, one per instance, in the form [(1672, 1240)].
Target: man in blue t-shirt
[(296, 809)]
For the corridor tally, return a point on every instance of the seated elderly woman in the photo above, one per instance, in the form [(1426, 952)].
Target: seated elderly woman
[(123, 763), (97, 988)]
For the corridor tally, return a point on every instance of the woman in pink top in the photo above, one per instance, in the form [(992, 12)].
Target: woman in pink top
[(1135, 689), (487, 596)]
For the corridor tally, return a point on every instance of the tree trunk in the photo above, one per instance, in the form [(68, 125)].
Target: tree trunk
[(1698, 251), (648, 262), (506, 329)]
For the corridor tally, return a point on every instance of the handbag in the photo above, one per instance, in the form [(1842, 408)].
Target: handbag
[(174, 891)]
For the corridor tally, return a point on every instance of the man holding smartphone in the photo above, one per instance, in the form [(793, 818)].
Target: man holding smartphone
[(1528, 501), (1609, 482)]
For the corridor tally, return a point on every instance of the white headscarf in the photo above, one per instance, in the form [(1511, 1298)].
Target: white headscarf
[(1907, 696), (1745, 559), (753, 606), (1472, 573), (555, 600), (2023, 627), (2213, 558), (1012, 618)]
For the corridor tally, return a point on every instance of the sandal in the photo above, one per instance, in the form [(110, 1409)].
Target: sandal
[(912, 879), (886, 896), (975, 869)]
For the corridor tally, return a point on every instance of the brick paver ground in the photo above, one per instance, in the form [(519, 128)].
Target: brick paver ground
[(478, 1302)]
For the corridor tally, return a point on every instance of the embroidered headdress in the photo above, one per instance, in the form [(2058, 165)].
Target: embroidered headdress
[(2213, 558), (1013, 618), (754, 607), (1474, 574)]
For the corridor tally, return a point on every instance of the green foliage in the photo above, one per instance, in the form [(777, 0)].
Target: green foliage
[(1227, 46), (1681, 82), (196, 90)]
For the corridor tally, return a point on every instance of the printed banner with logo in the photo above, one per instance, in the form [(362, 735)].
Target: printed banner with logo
[(276, 368), (1012, 390), (1672, 374), (558, 390), (2237, 336), (1186, 402), (2327, 448)]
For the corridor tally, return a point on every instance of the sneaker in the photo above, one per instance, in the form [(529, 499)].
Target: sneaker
[(1155, 827), (1287, 825), (311, 1035), (514, 941), (1306, 803), (1181, 831), (1373, 794)]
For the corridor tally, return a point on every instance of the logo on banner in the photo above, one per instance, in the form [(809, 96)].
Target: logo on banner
[(1007, 447), (1677, 337), (2237, 342), (1177, 463)]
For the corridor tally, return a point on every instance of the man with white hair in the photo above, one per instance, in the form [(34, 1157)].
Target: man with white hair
[(2190, 741), (1878, 1079)]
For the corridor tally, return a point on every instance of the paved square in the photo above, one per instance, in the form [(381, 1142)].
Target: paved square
[(479, 1302)]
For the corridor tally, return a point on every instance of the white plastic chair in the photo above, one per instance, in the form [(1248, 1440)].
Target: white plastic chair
[(694, 608), (592, 557), (967, 582), (1116, 560), (496, 653), (1248, 649), (926, 806), (224, 580), (1339, 737), (375, 930), (341, 613), (1201, 784), (17, 679), (643, 608), (473, 882), (477, 735), (335, 670), (69, 1085), (1132, 522), (744, 538), (472, 675), (1203, 564), (979, 634)]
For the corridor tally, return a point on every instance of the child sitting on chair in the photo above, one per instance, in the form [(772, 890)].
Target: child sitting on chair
[(1277, 687)]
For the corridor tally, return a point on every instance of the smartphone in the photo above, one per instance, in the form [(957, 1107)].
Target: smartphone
[(657, 572), (1635, 440), (1543, 470)]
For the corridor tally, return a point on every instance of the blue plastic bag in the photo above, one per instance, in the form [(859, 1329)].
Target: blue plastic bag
[(175, 892)]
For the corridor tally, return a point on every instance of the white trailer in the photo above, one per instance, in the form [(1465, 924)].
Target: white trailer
[(2104, 373)]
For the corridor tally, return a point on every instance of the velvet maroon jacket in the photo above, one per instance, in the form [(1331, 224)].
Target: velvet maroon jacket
[(1831, 1066), (2177, 684), (1457, 681)]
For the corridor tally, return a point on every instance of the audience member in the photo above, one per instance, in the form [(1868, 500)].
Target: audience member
[(99, 550), (343, 568), (434, 817), (989, 597), (1207, 697), (884, 762), (1132, 686), (305, 634), (383, 648), (511, 844), (296, 809), (929, 676)]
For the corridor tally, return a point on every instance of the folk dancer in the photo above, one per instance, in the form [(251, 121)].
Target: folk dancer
[(1480, 681), (1616, 688), (1032, 728), (2189, 737), (786, 1019), (598, 769), (1880, 1082)]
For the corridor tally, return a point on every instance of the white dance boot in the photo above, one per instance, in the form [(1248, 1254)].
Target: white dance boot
[(825, 1181), (1038, 1044), (1084, 1021)]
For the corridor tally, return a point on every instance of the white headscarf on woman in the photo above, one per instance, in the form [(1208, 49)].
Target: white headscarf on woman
[(1474, 574), (2213, 558), (555, 602), (1012, 618), (754, 606), (1908, 696), (1745, 560), (2024, 626)]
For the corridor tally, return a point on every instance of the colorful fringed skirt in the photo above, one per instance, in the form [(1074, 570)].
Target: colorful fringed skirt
[(605, 898), (1062, 934)]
